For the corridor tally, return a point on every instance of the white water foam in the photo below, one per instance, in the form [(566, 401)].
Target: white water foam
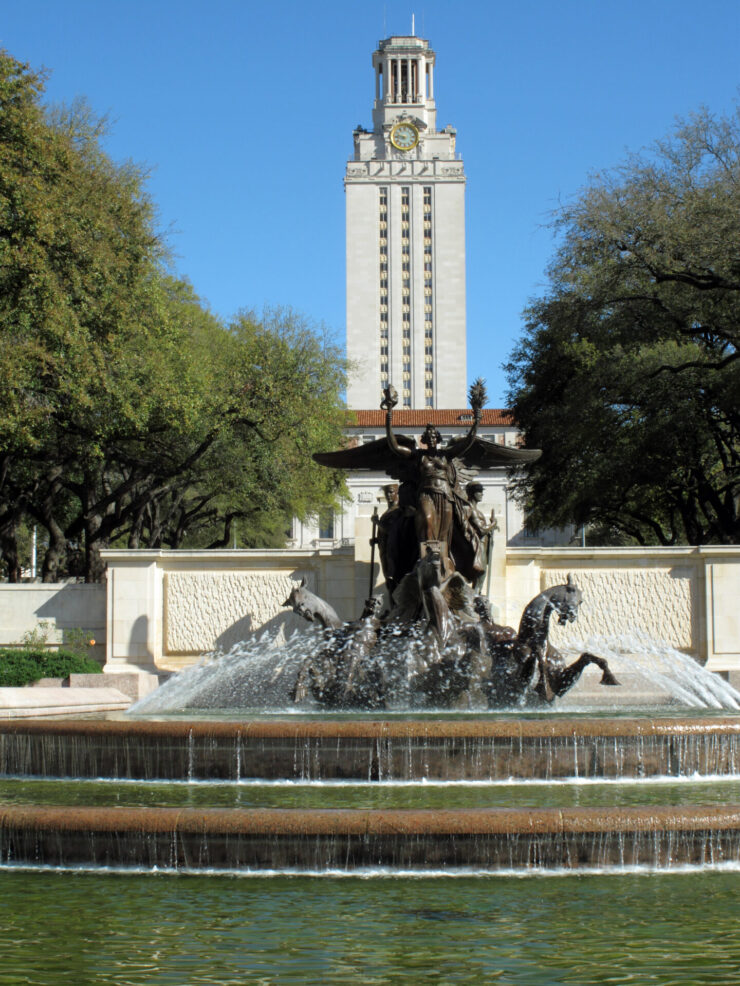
[(260, 674), (657, 667), (381, 872)]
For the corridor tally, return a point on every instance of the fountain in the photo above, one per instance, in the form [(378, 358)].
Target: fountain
[(432, 638), (423, 693)]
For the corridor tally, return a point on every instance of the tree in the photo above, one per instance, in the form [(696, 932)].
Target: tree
[(627, 375), (131, 414)]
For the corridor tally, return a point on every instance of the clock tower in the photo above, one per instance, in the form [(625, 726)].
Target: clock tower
[(405, 196)]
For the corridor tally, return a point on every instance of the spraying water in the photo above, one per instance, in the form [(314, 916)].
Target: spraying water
[(655, 667), (260, 674)]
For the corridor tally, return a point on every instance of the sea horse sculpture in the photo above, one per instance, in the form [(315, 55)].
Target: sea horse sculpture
[(525, 664), (462, 648)]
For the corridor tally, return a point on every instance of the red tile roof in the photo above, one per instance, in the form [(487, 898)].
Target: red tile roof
[(462, 417)]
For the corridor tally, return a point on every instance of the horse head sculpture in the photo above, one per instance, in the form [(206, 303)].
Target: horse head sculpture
[(565, 600)]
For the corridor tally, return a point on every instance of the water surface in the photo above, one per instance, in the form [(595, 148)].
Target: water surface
[(377, 795), (132, 930)]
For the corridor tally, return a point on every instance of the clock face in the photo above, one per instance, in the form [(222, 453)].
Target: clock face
[(404, 136)]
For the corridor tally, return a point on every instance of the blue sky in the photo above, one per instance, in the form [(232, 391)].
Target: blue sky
[(244, 112)]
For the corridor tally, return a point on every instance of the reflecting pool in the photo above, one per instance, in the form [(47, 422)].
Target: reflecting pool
[(132, 930)]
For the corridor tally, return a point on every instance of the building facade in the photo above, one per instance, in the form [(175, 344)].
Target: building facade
[(405, 202)]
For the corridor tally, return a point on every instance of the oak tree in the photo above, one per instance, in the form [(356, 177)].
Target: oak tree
[(627, 375)]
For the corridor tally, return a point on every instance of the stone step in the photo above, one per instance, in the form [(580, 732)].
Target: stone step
[(41, 701), (348, 840)]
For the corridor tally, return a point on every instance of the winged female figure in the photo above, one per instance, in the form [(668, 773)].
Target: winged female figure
[(433, 477)]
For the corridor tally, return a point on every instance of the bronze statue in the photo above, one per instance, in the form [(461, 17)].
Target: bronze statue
[(439, 646), (479, 533), (384, 530), (432, 478), (438, 640), (524, 665), (431, 469)]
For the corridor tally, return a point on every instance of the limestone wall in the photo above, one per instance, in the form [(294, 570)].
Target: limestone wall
[(685, 596), (165, 608), (63, 608)]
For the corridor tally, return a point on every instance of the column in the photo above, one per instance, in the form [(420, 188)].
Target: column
[(134, 611)]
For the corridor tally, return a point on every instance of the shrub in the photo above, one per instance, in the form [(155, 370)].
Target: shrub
[(60, 664), (20, 667)]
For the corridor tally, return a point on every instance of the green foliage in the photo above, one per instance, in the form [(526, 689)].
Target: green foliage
[(35, 640), (61, 664), (78, 642), (20, 667), (628, 375), (130, 414)]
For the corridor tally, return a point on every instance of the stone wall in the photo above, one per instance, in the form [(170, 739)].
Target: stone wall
[(687, 597), (221, 608), (63, 608), (165, 608)]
